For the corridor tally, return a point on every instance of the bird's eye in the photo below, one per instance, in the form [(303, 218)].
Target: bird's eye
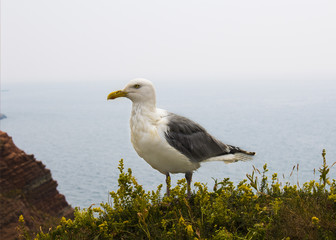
[(136, 86)]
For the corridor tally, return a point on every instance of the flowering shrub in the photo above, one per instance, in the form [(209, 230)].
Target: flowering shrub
[(254, 209)]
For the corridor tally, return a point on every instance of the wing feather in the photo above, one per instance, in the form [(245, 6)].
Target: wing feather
[(194, 141)]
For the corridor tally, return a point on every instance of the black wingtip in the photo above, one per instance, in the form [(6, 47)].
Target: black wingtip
[(249, 153)]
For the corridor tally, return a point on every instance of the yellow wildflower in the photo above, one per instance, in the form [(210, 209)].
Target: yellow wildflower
[(103, 226), (190, 230), (63, 220), (21, 219), (97, 209), (181, 220), (315, 220), (332, 197)]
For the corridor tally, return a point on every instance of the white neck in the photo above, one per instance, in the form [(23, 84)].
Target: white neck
[(143, 107)]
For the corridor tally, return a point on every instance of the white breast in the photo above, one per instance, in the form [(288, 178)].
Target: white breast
[(147, 136)]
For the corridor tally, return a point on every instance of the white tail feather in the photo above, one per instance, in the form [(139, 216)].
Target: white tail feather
[(231, 158)]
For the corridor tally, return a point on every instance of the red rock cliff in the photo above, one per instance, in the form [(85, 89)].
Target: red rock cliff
[(27, 188)]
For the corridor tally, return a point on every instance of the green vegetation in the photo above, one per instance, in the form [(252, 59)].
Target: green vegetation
[(257, 208)]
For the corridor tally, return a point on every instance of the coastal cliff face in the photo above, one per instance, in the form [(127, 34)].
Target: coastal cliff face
[(27, 188)]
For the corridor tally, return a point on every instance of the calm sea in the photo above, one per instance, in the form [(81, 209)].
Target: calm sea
[(81, 136)]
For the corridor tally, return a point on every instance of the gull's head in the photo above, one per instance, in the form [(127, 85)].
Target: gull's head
[(138, 90)]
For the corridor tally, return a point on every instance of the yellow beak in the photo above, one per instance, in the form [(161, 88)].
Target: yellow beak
[(116, 94)]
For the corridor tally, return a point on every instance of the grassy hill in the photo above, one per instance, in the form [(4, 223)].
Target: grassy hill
[(259, 207)]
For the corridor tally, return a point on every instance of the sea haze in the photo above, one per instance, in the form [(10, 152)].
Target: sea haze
[(81, 136)]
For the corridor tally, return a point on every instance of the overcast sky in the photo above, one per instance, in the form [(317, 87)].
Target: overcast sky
[(63, 40)]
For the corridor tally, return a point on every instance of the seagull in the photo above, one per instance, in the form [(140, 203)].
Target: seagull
[(168, 142)]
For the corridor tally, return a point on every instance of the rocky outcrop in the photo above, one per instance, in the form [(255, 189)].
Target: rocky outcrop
[(27, 188)]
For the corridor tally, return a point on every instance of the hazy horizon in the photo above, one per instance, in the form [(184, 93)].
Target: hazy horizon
[(43, 41)]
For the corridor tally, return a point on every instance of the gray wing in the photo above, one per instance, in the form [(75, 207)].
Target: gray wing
[(192, 140)]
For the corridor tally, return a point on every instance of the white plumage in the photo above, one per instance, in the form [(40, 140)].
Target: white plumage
[(147, 136), (168, 142)]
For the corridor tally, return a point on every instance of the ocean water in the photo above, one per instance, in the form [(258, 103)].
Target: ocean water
[(80, 136)]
